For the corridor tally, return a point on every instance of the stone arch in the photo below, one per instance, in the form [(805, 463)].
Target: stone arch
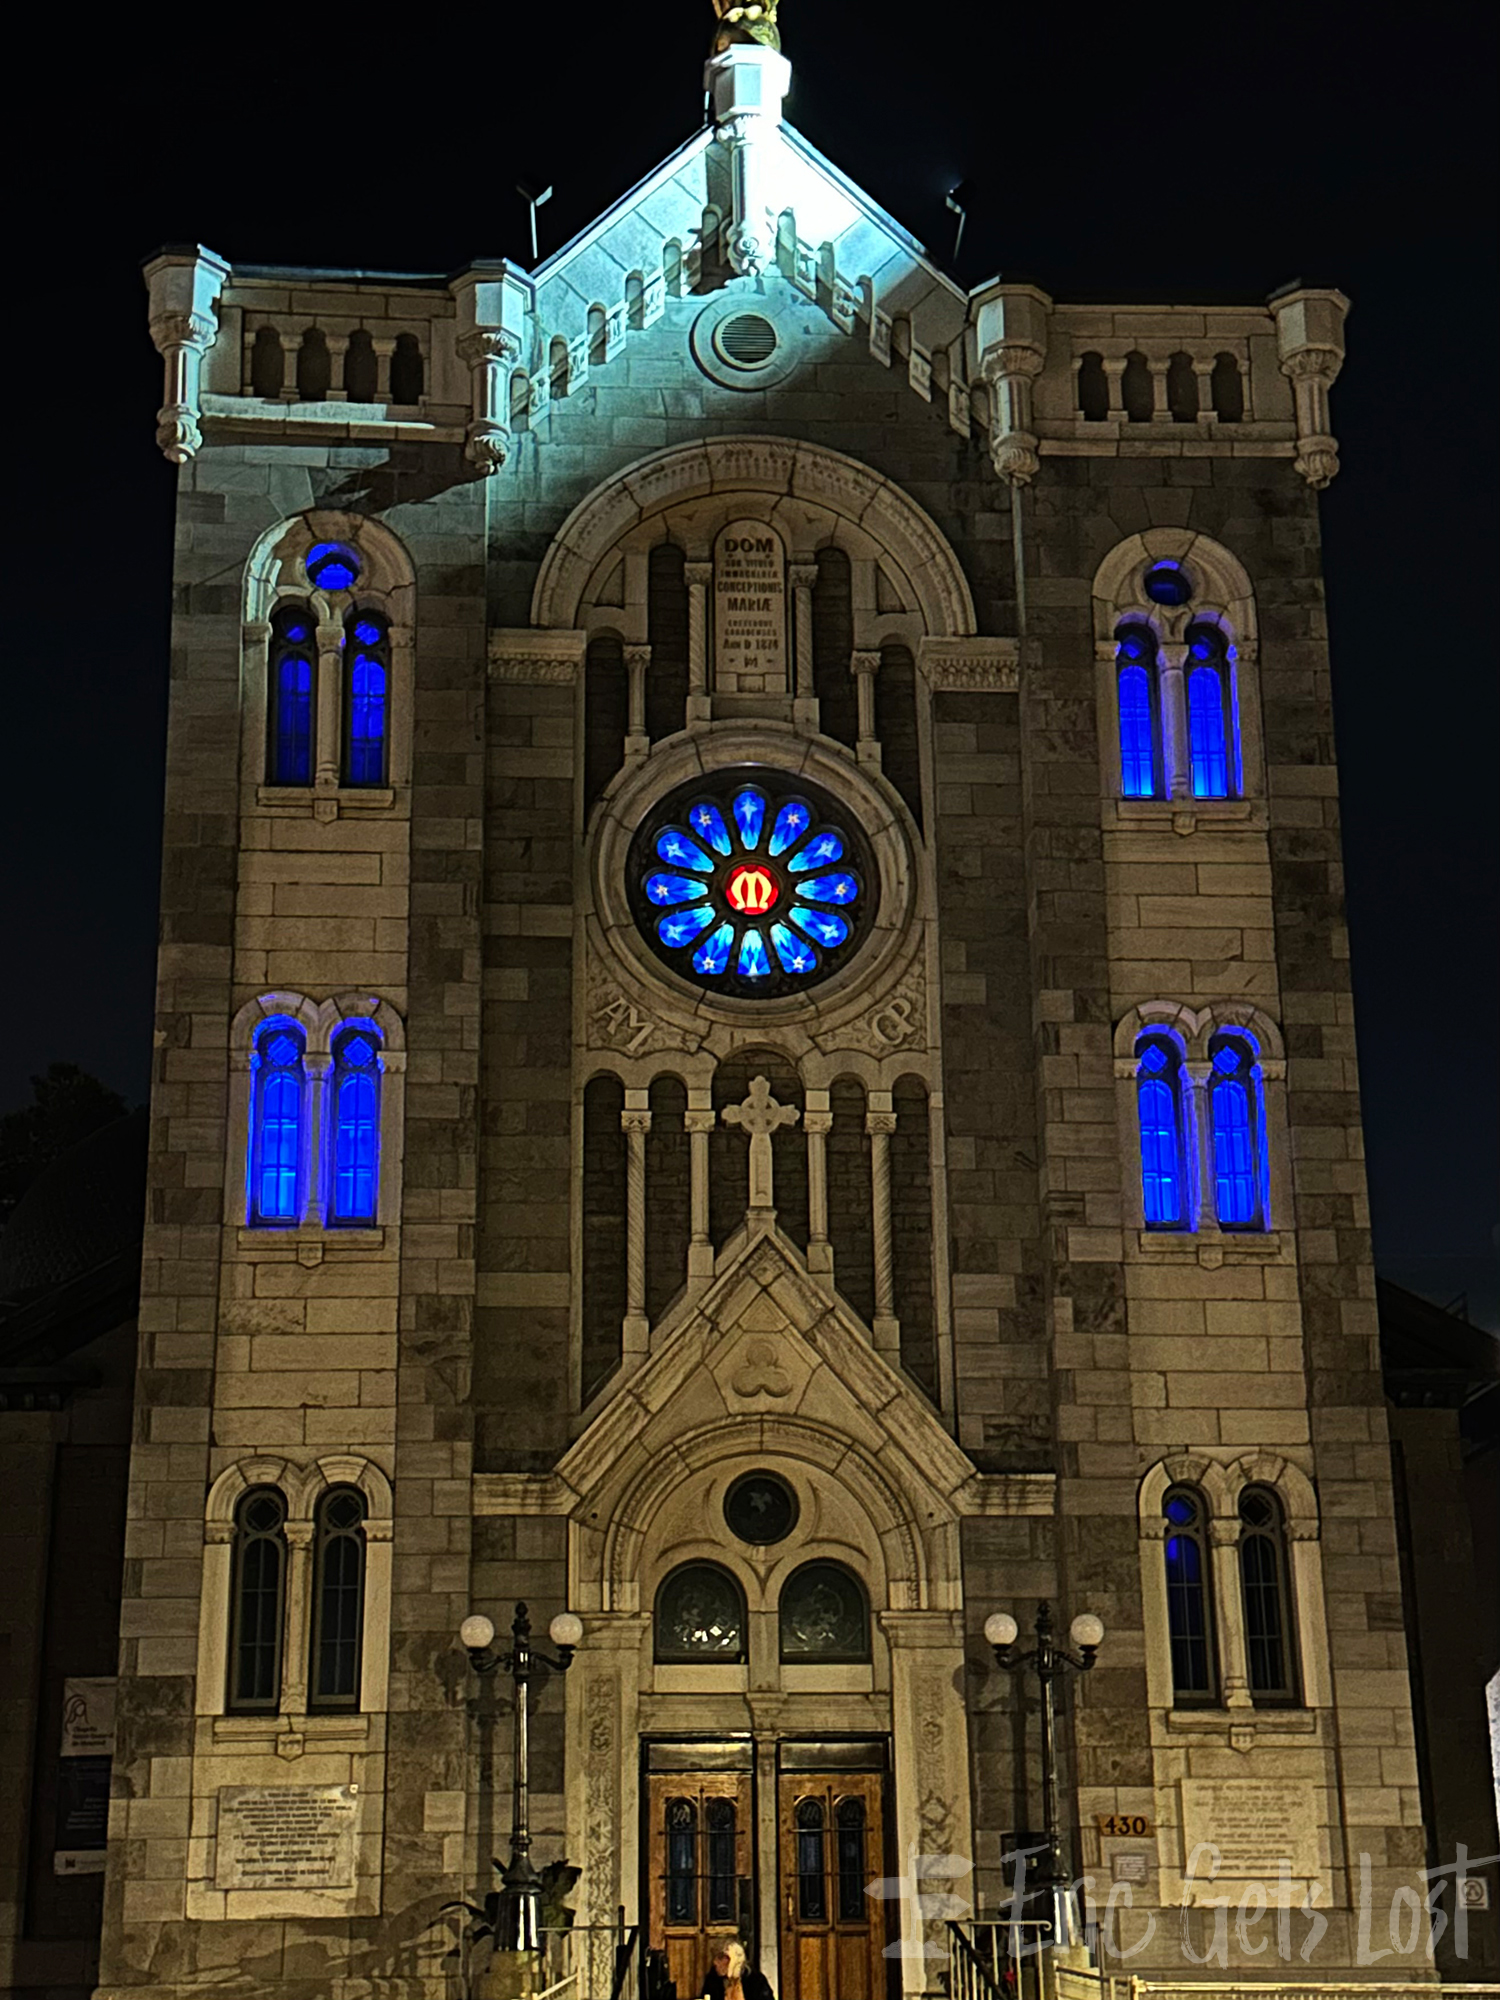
[(269, 571), (624, 1539), (1183, 1469), (236, 1480), (1195, 1028), (1223, 590), (1298, 1496), (778, 469)]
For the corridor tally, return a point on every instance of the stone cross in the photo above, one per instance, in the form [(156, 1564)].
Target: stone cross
[(760, 1115)]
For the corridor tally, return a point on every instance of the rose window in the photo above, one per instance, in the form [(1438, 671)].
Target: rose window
[(750, 884)]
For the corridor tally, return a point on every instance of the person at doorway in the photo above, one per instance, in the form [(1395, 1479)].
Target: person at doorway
[(733, 1978)]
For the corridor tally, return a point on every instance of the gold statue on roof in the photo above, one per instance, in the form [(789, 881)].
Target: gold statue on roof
[(739, 23)]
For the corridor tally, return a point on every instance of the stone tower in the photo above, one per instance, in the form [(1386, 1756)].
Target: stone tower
[(754, 1041)]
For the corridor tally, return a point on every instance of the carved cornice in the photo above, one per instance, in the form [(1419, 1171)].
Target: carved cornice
[(986, 666), (550, 659)]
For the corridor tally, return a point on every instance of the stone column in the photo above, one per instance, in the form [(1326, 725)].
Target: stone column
[(1234, 1670), (1198, 1144), (699, 1121), (602, 1763), (1310, 342), (320, 1140), (1114, 375), (1176, 750), (930, 1747), (747, 84), (817, 1123), (865, 666), (637, 666), (635, 1123), (299, 1535), (880, 1124), (328, 717), (184, 288), (802, 580), (384, 345), (699, 577), (338, 349)]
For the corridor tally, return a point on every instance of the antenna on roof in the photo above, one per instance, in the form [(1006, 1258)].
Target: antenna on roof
[(956, 200), (533, 202)]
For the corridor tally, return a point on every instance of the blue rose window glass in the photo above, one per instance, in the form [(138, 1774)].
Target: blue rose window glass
[(751, 884)]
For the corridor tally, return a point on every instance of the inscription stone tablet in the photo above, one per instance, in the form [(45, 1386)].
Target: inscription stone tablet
[(750, 609), (1255, 1823), (286, 1836)]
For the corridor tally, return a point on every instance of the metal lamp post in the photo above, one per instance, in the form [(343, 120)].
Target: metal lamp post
[(1049, 1662), (519, 1926)]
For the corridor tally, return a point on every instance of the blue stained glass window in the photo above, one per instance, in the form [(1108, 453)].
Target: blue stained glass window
[(754, 964), (332, 566), (673, 889), (675, 846), (830, 889), (1206, 731), (823, 925), (1167, 583), (368, 632), (750, 816), (747, 889), (1137, 748), (290, 666), (792, 822), (356, 1129), (684, 925), (278, 1101), (795, 956), (366, 699), (1236, 1178), (708, 821), (712, 956), (1158, 1108), (818, 853)]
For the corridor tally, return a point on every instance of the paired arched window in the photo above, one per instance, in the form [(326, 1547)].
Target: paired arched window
[(1202, 1134), (1237, 1121), (278, 1117), (258, 1602), (1265, 1599), (1175, 699), (700, 1616), (295, 1122), (1159, 1108)]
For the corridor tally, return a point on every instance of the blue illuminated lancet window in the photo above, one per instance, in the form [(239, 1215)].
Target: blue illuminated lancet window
[(291, 675), (1189, 1621), (1235, 1113), (1136, 682), (355, 1091), (1158, 1096), (278, 1118), (1211, 730), (367, 662)]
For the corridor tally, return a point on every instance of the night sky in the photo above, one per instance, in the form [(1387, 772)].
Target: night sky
[(1164, 154)]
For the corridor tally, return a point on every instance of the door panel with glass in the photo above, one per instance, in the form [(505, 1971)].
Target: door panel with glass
[(699, 1868), (832, 1847)]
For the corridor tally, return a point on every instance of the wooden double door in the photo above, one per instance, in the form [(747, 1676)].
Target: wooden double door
[(705, 1870)]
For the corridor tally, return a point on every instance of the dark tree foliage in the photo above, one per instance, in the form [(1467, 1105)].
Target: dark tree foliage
[(67, 1104)]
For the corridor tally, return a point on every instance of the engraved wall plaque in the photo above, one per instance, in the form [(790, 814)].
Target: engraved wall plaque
[(750, 645), (1255, 1823), (286, 1837)]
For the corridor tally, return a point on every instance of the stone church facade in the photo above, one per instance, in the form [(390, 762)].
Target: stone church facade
[(751, 920)]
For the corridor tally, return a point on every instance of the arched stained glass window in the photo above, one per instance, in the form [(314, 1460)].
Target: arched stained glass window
[(1211, 730), (1189, 1615), (1234, 1097), (720, 1871), (278, 1117), (700, 1615), (849, 1828), (290, 709), (355, 1093), (682, 1861), (825, 1615), (810, 1820), (338, 1599), (1136, 682), (258, 1601), (1158, 1097), (367, 676), (1266, 1597)]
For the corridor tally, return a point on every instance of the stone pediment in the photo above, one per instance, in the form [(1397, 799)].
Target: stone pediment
[(764, 1352)]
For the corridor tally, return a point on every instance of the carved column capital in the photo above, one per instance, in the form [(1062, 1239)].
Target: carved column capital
[(184, 286), (1310, 347)]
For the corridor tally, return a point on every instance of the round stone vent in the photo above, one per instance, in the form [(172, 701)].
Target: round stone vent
[(746, 341)]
